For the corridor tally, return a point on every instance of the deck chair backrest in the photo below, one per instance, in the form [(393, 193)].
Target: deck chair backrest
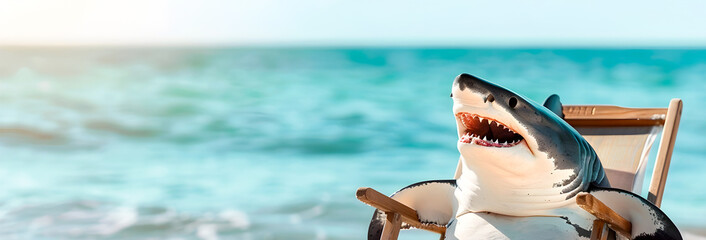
[(623, 137), (623, 152), (622, 145)]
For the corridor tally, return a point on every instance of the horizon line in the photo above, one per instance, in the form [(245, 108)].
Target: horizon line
[(355, 45)]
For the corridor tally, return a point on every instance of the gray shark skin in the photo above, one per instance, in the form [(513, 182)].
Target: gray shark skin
[(551, 213)]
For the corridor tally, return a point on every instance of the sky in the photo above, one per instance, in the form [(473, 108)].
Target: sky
[(359, 22)]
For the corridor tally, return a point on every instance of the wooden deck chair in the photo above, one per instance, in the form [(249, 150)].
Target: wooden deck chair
[(622, 138)]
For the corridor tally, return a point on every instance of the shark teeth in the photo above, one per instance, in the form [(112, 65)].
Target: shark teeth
[(475, 139), (486, 131)]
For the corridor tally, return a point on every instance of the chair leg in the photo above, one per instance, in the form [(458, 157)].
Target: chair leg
[(391, 230), (597, 232)]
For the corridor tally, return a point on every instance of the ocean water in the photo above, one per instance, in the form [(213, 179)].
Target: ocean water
[(271, 143)]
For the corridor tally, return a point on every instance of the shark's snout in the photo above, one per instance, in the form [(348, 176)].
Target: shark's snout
[(466, 80), (487, 92)]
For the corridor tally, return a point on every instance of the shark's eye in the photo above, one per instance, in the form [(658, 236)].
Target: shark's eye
[(513, 102), (490, 98)]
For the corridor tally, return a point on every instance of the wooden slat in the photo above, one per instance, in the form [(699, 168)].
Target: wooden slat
[(611, 112), (664, 153), (391, 229), (598, 115), (594, 206), (387, 204)]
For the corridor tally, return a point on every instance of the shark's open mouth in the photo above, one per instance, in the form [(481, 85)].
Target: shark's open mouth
[(486, 131)]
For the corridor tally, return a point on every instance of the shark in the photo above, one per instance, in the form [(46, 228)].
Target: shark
[(521, 168)]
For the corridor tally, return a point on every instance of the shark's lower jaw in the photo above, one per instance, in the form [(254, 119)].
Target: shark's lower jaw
[(486, 132)]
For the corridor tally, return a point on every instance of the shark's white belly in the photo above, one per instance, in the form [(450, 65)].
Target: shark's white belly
[(494, 226)]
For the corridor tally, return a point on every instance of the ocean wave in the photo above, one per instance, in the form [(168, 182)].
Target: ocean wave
[(100, 220)]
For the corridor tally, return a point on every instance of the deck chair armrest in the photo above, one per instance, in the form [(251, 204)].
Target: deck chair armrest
[(388, 205), (604, 213)]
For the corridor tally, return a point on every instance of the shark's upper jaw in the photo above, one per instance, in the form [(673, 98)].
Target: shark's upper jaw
[(486, 131)]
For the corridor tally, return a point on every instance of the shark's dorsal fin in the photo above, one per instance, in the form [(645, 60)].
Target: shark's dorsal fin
[(553, 103)]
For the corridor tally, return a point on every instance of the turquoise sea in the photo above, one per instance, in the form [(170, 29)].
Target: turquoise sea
[(271, 143)]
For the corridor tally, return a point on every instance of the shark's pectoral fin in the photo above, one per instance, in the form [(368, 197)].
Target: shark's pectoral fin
[(553, 103), (648, 221), (433, 201)]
